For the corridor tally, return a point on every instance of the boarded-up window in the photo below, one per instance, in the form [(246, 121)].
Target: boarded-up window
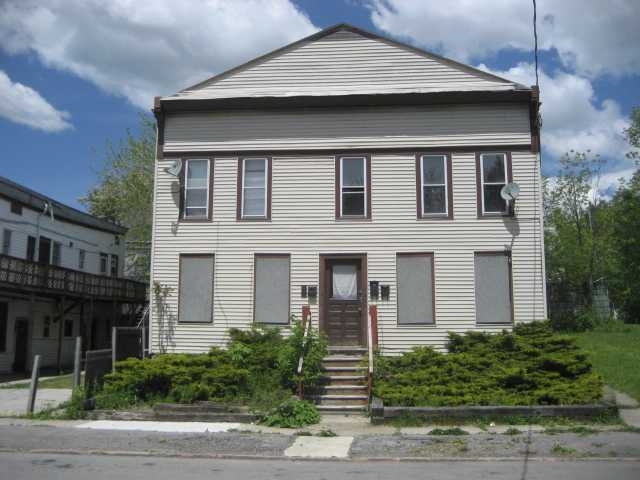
[(196, 288), (415, 288), (271, 289), (493, 288)]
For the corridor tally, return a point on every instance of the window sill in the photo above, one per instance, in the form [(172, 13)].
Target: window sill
[(353, 219), (253, 219), (495, 215), (195, 220), (413, 325), (436, 217)]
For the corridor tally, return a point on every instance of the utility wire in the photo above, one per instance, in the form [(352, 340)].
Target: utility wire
[(535, 39)]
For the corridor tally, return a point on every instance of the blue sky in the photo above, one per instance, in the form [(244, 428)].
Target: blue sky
[(76, 73)]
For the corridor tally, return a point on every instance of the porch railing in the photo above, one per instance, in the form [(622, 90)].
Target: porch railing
[(35, 277), (372, 342)]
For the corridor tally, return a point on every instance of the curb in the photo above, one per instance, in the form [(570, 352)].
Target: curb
[(233, 456)]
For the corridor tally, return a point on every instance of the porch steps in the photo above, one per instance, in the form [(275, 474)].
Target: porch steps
[(344, 383)]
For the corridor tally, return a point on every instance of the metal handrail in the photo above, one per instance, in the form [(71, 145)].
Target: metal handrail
[(370, 350), (306, 325)]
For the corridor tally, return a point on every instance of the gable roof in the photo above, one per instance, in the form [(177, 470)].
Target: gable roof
[(345, 60), (36, 201)]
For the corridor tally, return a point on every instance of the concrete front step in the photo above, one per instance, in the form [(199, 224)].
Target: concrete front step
[(341, 409), (330, 380), (347, 400), (334, 371), (344, 389)]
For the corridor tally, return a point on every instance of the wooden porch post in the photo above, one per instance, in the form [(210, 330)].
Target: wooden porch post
[(60, 332)]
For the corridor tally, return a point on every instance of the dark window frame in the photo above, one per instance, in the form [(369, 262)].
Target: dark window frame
[(183, 190), (7, 239), (449, 186), (508, 212), (68, 322), (56, 253), (211, 256), (82, 256), (271, 255), (31, 248), (240, 189), (509, 256), (114, 265), (433, 289), (367, 187), (16, 207), (46, 327), (103, 257)]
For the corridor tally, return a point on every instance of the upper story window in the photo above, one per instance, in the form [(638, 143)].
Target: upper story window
[(16, 207), (81, 259), (197, 194), (353, 187), (114, 265), (56, 254), (494, 172), (434, 186), (6, 241), (254, 185), (103, 262)]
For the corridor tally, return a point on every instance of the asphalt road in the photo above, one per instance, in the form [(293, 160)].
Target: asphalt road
[(18, 466)]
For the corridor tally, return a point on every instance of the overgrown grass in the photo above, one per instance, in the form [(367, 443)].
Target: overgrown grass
[(529, 366), (614, 351)]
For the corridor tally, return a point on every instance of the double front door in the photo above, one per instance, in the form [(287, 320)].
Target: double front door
[(343, 297)]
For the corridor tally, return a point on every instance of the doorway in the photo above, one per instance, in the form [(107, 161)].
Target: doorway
[(343, 297), (44, 251), (21, 345)]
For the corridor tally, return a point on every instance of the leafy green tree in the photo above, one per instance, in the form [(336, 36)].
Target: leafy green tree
[(124, 193), (576, 226)]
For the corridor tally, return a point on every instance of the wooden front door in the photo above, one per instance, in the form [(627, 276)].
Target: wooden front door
[(343, 301)]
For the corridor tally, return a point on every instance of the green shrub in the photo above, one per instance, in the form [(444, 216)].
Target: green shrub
[(580, 321), (74, 408), (293, 413), (529, 366)]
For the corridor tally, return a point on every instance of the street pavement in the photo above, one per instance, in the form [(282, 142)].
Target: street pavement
[(28, 466)]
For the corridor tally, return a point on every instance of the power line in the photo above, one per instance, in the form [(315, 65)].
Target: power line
[(535, 39)]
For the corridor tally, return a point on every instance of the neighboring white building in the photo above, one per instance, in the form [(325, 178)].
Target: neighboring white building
[(342, 171), (59, 278)]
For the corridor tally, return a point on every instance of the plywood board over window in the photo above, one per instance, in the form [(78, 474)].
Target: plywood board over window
[(272, 288), (494, 297), (195, 299), (416, 289)]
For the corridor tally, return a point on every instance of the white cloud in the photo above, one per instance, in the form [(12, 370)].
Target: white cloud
[(571, 117), (141, 49), (591, 36), (22, 104)]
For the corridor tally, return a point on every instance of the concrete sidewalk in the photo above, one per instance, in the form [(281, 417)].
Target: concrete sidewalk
[(13, 401)]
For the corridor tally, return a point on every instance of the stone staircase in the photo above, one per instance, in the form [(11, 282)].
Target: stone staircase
[(344, 387)]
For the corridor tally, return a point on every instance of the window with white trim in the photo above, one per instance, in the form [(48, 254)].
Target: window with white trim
[(433, 175), (493, 177), (255, 173), (196, 188), (353, 187)]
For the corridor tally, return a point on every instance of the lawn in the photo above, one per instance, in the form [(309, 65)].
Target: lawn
[(615, 354)]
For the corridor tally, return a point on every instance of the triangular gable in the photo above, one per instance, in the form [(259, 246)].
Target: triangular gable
[(344, 60)]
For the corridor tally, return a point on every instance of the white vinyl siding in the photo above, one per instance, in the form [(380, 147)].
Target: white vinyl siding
[(305, 229), (196, 188), (342, 63), (271, 289), (419, 126), (493, 176)]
